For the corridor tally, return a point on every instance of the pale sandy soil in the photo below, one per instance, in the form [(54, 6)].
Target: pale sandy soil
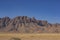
[(30, 36), (30, 39)]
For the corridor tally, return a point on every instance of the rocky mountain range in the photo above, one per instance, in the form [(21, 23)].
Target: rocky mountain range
[(24, 24)]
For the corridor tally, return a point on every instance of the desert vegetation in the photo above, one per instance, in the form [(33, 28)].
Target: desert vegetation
[(16, 36), (15, 39)]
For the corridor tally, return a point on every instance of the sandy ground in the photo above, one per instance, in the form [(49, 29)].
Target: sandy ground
[(30, 36), (30, 39)]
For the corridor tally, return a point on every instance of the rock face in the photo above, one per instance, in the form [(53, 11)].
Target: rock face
[(24, 24)]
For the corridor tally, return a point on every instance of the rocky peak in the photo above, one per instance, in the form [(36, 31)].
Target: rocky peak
[(24, 24)]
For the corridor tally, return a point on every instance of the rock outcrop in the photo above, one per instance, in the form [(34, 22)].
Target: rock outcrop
[(24, 24)]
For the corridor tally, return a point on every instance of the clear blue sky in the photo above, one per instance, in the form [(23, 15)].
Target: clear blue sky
[(40, 9)]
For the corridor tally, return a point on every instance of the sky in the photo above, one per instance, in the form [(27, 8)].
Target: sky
[(40, 9)]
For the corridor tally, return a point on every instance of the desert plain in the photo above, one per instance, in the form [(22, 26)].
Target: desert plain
[(41, 36)]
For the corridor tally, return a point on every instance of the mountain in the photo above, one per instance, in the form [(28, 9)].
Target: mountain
[(24, 24)]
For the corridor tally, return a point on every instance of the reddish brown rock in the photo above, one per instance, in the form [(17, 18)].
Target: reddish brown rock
[(24, 24)]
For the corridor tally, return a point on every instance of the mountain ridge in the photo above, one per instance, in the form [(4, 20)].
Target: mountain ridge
[(24, 24)]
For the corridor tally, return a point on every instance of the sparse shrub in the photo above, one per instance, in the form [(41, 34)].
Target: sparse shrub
[(15, 39)]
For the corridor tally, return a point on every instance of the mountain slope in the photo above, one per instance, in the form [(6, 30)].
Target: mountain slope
[(24, 24)]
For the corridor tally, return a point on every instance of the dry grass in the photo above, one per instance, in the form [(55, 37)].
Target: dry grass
[(30, 36)]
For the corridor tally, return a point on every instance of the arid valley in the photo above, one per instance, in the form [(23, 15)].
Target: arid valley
[(26, 28)]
